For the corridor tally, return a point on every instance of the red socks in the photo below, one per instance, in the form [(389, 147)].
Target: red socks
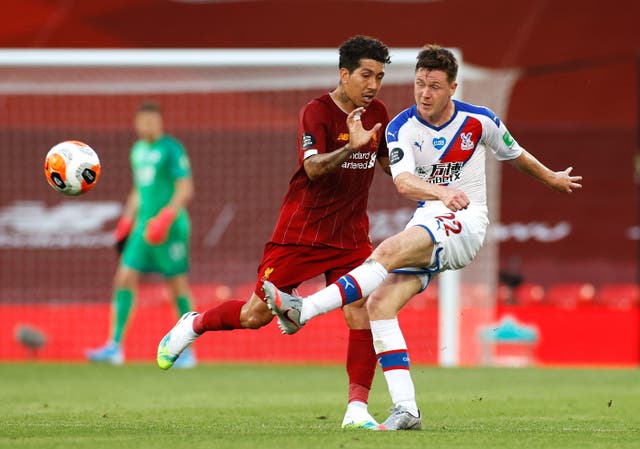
[(224, 317), (361, 364)]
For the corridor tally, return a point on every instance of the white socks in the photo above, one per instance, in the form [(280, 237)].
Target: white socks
[(393, 356), (358, 283), (357, 406)]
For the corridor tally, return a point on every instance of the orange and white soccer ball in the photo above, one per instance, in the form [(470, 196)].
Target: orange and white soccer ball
[(72, 167)]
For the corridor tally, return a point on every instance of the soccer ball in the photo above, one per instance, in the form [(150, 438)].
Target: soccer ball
[(72, 167)]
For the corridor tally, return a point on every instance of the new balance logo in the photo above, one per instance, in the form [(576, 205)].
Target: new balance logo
[(291, 320)]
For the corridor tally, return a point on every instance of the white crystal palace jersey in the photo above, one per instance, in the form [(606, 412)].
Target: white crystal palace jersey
[(452, 154)]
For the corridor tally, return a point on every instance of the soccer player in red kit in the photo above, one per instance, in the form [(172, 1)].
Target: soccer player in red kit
[(323, 226)]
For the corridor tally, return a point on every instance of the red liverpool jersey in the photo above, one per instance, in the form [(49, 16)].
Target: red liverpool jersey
[(331, 211)]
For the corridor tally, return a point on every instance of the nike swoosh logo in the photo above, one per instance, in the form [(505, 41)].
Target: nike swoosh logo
[(286, 315)]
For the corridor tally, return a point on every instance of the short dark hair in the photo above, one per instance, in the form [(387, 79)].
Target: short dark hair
[(149, 106), (435, 57), (362, 47)]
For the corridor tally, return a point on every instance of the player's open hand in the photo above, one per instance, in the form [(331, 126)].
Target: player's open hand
[(565, 183), (358, 136)]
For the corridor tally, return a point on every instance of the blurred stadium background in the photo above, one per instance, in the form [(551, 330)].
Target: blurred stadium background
[(564, 76)]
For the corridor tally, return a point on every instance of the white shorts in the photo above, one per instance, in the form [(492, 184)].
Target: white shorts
[(457, 237)]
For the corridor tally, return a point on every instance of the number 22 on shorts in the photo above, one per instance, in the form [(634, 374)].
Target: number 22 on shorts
[(449, 223)]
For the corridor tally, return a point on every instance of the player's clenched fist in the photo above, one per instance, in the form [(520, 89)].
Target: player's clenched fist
[(454, 199)]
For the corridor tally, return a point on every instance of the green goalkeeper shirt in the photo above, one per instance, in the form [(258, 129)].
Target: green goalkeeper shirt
[(156, 168)]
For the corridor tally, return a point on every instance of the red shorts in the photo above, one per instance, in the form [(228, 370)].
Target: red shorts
[(287, 266)]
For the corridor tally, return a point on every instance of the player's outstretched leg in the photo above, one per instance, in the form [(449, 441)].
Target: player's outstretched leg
[(285, 307), (402, 419), (177, 340)]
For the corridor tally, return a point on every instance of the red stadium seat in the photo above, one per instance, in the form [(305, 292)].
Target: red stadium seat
[(525, 294), (473, 294), (244, 290), (152, 293), (207, 295), (619, 296), (529, 293), (204, 295), (504, 295), (570, 295)]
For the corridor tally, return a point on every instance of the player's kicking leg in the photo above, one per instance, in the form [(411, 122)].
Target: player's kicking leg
[(176, 341), (293, 311)]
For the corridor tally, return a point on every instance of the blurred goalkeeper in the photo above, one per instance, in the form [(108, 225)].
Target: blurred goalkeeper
[(323, 227), (153, 232)]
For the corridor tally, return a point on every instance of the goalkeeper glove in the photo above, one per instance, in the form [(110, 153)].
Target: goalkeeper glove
[(157, 229), (121, 233)]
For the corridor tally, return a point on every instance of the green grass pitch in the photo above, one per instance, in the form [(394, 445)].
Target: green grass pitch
[(273, 406)]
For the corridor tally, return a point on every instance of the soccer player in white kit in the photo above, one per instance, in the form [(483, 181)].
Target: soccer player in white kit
[(437, 154)]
